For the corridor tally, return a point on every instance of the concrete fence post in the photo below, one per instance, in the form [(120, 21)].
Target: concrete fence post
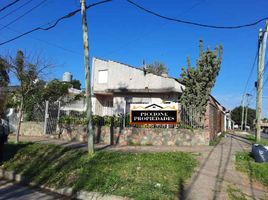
[(46, 118)]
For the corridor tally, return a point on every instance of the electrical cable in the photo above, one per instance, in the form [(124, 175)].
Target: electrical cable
[(8, 5), (16, 9), (251, 70), (23, 15), (195, 23), (54, 23), (48, 43), (146, 34)]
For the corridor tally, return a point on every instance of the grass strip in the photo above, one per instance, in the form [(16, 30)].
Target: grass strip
[(256, 171), (135, 175)]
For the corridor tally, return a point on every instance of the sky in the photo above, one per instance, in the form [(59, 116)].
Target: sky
[(119, 31)]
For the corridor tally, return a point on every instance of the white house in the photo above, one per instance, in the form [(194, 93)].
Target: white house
[(115, 85)]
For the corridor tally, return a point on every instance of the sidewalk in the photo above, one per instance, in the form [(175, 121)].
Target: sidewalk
[(217, 171), (13, 191)]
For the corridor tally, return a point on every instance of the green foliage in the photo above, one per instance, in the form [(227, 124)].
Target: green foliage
[(257, 171), (26, 74), (200, 80), (69, 120), (97, 120), (55, 90), (76, 84), (157, 68), (265, 120), (12, 100), (108, 120), (216, 140), (252, 138), (135, 175), (4, 77), (52, 91), (236, 116), (236, 194)]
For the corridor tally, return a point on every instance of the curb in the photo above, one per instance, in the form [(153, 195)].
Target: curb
[(67, 191)]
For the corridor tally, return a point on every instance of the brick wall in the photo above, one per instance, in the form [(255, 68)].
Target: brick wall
[(214, 120)]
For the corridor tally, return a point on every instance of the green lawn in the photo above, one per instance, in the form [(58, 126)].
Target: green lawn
[(257, 171), (252, 139), (216, 140), (135, 175)]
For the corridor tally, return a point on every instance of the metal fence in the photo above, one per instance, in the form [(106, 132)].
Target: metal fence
[(53, 117), (190, 117), (187, 118)]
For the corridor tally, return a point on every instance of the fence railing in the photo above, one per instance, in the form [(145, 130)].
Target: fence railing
[(188, 118), (53, 117)]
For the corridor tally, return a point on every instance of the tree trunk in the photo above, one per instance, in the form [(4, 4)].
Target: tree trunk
[(19, 123)]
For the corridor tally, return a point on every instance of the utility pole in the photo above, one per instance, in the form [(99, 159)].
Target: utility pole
[(261, 51), (242, 118), (90, 133), (246, 112)]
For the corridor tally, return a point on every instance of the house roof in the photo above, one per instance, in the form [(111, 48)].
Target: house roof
[(137, 68)]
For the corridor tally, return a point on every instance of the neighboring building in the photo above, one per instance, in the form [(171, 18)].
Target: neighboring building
[(229, 123)]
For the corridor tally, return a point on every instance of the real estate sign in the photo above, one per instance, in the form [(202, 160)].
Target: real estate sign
[(154, 113)]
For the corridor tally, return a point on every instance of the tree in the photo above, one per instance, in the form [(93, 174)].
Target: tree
[(76, 84), (55, 90), (157, 68), (236, 116), (199, 80), (4, 81), (28, 75), (4, 77)]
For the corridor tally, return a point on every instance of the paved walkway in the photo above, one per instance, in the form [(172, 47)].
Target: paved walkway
[(12, 191), (217, 171)]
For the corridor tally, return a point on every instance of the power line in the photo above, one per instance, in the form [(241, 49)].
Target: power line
[(251, 70), (8, 5), (146, 34), (46, 42), (54, 24), (266, 80), (195, 23), (16, 9), (265, 67), (24, 14)]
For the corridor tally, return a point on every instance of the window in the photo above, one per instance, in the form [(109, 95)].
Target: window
[(103, 76)]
